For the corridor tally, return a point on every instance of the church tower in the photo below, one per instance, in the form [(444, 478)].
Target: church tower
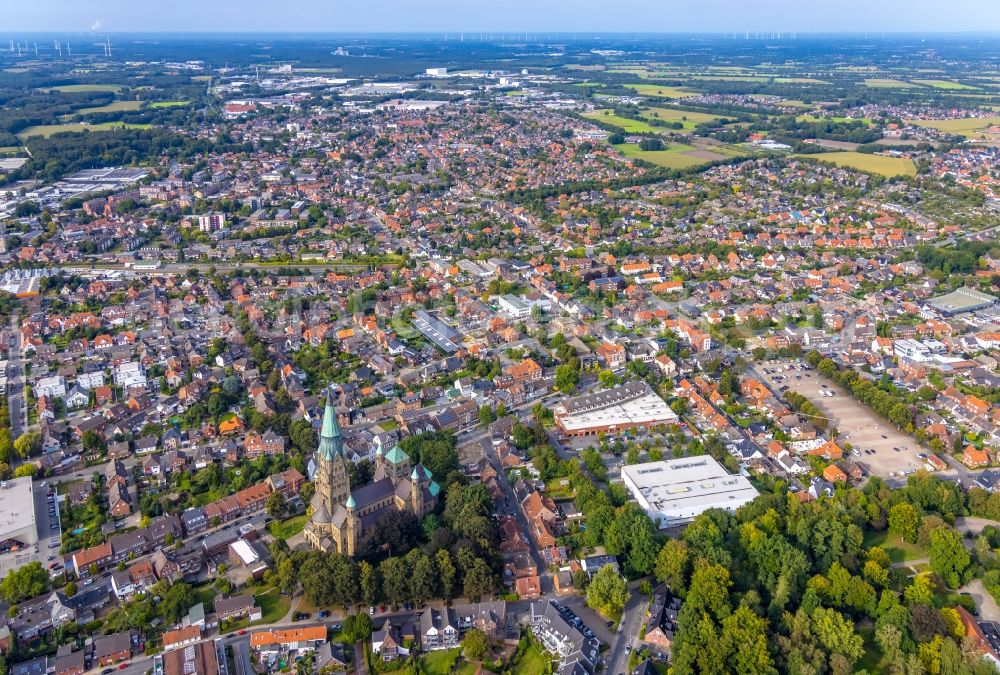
[(332, 485), (353, 529), (416, 494)]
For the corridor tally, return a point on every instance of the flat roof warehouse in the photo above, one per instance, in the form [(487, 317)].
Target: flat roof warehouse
[(678, 490), (962, 300), (626, 407), (17, 511)]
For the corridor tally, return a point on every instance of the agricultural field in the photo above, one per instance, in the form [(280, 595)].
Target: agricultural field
[(71, 88), (877, 164), (47, 130), (971, 126), (169, 104), (886, 83), (626, 124), (673, 157), (658, 90), (944, 84), (820, 118), (116, 106)]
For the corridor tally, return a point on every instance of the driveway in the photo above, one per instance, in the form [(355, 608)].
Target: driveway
[(988, 608)]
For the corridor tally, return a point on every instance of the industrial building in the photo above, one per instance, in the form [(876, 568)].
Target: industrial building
[(962, 300), (17, 513), (676, 491), (612, 411)]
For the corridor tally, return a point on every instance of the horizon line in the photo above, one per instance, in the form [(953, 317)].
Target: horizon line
[(511, 31)]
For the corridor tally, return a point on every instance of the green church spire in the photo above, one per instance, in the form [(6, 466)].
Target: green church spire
[(330, 441)]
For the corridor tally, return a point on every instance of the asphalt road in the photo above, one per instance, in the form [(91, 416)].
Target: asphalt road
[(15, 382), (628, 630)]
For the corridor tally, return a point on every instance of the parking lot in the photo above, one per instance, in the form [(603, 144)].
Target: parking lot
[(875, 440)]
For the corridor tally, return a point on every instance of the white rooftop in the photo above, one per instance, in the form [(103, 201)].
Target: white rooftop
[(682, 488), (245, 552), (646, 408), (17, 507)]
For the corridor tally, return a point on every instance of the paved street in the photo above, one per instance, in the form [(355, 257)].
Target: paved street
[(16, 381), (628, 631)]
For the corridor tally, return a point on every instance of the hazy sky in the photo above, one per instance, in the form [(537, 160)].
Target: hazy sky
[(501, 15)]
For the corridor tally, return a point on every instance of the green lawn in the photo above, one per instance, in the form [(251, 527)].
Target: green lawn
[(273, 606), (47, 130), (115, 106), (532, 662), (71, 88), (898, 550), (439, 662), (206, 595), (885, 166), (169, 104), (288, 527)]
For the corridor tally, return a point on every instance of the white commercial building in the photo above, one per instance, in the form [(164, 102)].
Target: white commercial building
[(514, 307), (676, 491), (17, 511)]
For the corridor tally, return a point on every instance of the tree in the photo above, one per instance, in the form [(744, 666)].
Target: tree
[(921, 591), (446, 573), (177, 600), (70, 589), (423, 580), (672, 564), (836, 633), (276, 505), (744, 639), (26, 581), (93, 443), (474, 644), (607, 379), (395, 581), (28, 444), (479, 582), (904, 521), (948, 556), (25, 470), (567, 378), (369, 582), (607, 592), (486, 415)]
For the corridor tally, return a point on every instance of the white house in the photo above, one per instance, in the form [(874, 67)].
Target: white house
[(53, 387)]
